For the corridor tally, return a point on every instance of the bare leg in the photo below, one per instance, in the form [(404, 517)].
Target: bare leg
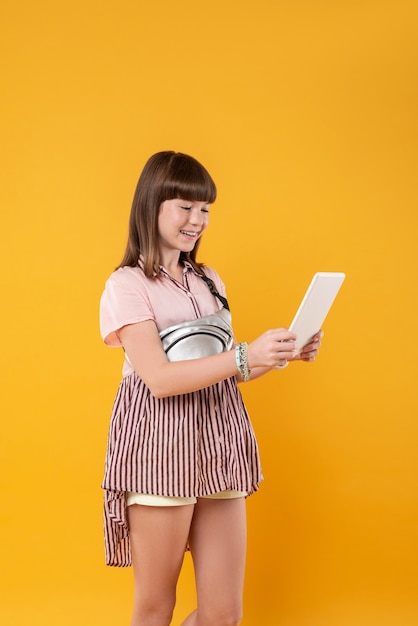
[(218, 545), (158, 539)]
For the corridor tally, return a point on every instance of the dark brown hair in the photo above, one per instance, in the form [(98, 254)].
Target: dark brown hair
[(166, 176)]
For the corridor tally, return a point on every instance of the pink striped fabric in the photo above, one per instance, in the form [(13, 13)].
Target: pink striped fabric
[(189, 445)]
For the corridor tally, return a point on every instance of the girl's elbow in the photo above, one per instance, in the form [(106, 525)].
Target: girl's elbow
[(158, 388), (159, 393)]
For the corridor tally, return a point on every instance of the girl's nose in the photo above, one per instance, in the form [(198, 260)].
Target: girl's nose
[(197, 217)]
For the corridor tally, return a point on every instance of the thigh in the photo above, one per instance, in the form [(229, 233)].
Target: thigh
[(218, 544), (158, 536)]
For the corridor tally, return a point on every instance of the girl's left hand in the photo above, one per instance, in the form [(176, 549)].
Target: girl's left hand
[(310, 351)]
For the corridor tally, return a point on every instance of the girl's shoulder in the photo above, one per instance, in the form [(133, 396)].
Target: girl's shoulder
[(126, 275), (211, 272)]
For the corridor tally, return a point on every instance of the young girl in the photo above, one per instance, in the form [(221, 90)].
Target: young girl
[(182, 456)]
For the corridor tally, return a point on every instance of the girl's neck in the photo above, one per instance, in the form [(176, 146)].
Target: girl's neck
[(174, 267)]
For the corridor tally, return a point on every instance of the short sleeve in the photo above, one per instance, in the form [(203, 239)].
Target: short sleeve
[(123, 302)]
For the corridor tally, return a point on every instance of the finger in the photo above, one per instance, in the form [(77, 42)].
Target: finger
[(281, 365), (286, 349), (314, 344), (311, 347), (309, 354), (282, 334)]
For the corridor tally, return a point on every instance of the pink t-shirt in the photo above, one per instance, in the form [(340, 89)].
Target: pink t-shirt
[(130, 297)]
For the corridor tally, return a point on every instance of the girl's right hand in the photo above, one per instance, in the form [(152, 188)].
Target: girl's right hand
[(272, 349)]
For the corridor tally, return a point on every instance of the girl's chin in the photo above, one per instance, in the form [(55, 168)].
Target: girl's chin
[(188, 245)]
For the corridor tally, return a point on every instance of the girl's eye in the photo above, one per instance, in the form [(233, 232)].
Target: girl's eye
[(189, 208)]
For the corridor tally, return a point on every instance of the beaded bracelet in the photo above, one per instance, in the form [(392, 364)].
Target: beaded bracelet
[(241, 359)]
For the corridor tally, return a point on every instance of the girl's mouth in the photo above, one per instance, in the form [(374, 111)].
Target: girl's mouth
[(189, 233)]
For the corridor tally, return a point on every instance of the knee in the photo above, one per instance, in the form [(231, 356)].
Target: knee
[(231, 620), (223, 618), (152, 614)]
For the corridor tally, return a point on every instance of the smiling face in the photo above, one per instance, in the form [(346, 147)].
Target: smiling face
[(180, 224), (169, 212)]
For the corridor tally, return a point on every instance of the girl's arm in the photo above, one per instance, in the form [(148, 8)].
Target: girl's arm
[(142, 344)]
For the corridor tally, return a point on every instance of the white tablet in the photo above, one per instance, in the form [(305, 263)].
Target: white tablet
[(315, 306)]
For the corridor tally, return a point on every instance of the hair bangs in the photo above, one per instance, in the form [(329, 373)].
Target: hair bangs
[(188, 180)]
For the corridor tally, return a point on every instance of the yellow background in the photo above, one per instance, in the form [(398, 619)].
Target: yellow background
[(305, 113)]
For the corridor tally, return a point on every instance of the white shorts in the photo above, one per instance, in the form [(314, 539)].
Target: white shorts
[(151, 500)]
